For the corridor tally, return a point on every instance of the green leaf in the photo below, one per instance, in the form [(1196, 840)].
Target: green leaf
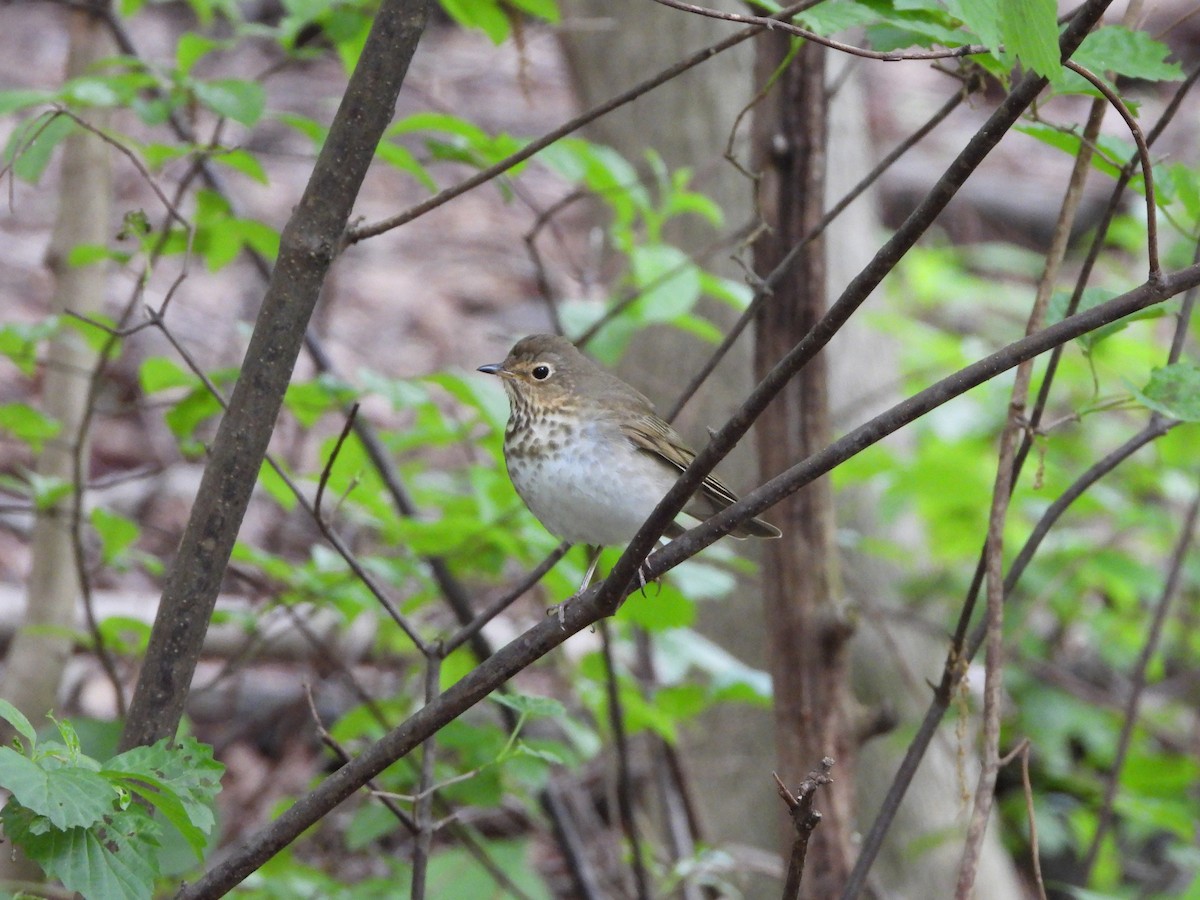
[(982, 17), (181, 780), (19, 342), (27, 424), (116, 532), (158, 373), (30, 147), (68, 797), (833, 16), (11, 101), (547, 10), (192, 47), (1174, 391), (114, 859), (486, 15), (1030, 31), (670, 283), (17, 720), (242, 101), (242, 161), (1134, 54), (526, 704), (309, 400)]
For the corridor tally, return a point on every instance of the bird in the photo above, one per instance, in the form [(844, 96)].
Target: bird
[(588, 454)]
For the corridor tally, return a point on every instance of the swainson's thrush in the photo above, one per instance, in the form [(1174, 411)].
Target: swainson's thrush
[(588, 454)]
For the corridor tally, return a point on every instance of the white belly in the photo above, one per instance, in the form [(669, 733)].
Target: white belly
[(581, 495)]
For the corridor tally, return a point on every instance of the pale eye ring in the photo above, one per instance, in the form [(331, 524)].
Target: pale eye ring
[(541, 372)]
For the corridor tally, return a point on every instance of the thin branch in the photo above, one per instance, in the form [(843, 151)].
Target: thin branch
[(773, 24), (505, 600), (594, 605), (625, 791), (1140, 669), (960, 652), (805, 820), (424, 807), (334, 746), (625, 571), (1143, 155), (354, 235), (766, 287), (1023, 750)]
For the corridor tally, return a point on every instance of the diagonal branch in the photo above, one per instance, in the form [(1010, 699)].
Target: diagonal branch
[(308, 246), (595, 604)]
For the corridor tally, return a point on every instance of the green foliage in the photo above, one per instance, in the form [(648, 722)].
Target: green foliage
[(95, 825)]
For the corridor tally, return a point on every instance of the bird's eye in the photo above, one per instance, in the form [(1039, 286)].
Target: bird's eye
[(541, 373)]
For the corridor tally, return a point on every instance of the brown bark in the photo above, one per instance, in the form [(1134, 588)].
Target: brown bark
[(806, 633), (308, 246)]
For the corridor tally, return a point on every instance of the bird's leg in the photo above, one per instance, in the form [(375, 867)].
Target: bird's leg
[(559, 610)]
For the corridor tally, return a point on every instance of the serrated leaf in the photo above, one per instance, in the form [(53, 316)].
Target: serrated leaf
[(1134, 54), (833, 16), (68, 797), (17, 720), (114, 859), (242, 101), (1174, 391), (1030, 32), (180, 780), (982, 17)]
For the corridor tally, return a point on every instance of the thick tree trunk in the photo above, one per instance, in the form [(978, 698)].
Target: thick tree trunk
[(806, 638)]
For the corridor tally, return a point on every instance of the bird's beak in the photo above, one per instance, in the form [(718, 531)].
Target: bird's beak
[(492, 368)]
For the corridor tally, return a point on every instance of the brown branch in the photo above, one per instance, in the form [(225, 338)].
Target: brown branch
[(625, 789), (805, 820), (1133, 704), (308, 245), (773, 24), (959, 650), (354, 235), (1143, 155), (595, 604)]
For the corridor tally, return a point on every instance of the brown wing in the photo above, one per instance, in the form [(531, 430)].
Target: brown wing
[(655, 436)]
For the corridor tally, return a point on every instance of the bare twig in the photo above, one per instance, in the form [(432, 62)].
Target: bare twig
[(424, 807), (625, 789), (354, 235), (959, 649), (595, 603), (804, 818), (766, 287), (1143, 155), (774, 24), (1022, 750), (1133, 704)]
